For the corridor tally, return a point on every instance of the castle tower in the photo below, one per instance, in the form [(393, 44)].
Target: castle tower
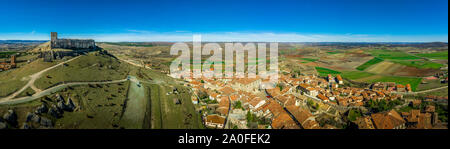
[(13, 59), (54, 36)]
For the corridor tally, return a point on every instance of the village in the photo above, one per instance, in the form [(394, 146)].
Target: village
[(306, 102)]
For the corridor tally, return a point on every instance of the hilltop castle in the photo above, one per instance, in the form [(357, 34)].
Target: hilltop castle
[(74, 44)]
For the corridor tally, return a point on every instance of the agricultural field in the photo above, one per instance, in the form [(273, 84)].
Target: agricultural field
[(430, 84), (396, 69), (309, 59), (392, 55), (325, 71), (7, 54), (443, 55), (421, 64), (399, 80), (354, 75), (369, 63)]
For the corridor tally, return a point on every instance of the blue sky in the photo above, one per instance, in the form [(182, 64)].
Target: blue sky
[(231, 20)]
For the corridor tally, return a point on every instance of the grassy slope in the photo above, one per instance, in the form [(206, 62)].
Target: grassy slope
[(94, 102), (91, 67), (175, 116), (135, 108), (13, 80)]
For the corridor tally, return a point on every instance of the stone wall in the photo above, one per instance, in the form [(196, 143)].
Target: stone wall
[(49, 56), (71, 43)]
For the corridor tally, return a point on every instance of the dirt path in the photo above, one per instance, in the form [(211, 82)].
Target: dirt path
[(419, 92), (52, 90), (33, 78)]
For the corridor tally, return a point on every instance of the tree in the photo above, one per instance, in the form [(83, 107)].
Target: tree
[(353, 114), (202, 95), (249, 117), (238, 105)]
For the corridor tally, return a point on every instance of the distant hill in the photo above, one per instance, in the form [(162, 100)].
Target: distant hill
[(42, 47), (18, 45)]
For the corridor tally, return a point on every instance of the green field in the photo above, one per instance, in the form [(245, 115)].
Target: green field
[(101, 106), (333, 52), (369, 63), (26, 92), (165, 114), (392, 55), (6, 54), (399, 80), (423, 64), (353, 75), (325, 71), (436, 55), (430, 85), (309, 59), (136, 107)]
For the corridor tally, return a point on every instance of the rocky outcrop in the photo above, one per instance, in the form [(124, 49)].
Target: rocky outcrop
[(10, 117), (31, 117), (46, 123), (59, 98), (26, 126), (41, 109), (3, 125), (61, 106), (70, 105), (55, 112)]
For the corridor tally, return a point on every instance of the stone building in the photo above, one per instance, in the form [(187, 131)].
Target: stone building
[(71, 43), (6, 66)]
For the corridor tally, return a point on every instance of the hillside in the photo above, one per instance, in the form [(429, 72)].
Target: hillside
[(108, 94)]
